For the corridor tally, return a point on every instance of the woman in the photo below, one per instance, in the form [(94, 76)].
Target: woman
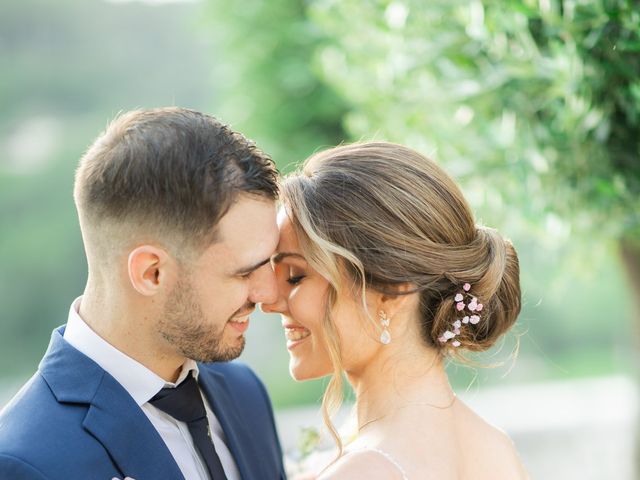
[(383, 274)]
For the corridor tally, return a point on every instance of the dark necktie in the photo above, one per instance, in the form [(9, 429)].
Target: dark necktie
[(184, 403)]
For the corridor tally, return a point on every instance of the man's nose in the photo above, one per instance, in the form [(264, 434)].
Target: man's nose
[(264, 288), (278, 302)]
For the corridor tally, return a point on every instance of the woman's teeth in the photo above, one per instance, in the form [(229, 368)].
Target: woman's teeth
[(241, 319), (294, 334)]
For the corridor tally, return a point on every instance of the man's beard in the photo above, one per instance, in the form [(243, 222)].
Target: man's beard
[(184, 326)]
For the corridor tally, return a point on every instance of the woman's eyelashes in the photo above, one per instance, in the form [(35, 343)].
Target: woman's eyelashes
[(293, 275), (295, 279)]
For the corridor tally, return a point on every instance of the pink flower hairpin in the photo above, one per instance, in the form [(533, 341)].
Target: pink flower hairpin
[(473, 308)]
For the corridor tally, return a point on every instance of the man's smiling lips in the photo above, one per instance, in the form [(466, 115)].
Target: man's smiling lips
[(241, 322)]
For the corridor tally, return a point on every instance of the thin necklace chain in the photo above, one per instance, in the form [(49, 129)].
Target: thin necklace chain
[(439, 407)]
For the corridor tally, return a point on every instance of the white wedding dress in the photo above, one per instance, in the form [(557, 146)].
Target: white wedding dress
[(392, 460)]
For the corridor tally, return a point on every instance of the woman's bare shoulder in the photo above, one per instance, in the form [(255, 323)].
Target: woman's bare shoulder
[(362, 464), (495, 455)]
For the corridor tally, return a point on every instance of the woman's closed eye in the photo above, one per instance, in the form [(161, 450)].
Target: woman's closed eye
[(294, 280)]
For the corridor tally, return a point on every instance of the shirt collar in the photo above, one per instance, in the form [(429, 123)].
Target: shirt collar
[(140, 382)]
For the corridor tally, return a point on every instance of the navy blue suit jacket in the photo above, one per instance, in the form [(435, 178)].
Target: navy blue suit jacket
[(74, 421)]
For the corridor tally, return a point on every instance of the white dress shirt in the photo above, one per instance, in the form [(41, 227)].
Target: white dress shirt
[(142, 384)]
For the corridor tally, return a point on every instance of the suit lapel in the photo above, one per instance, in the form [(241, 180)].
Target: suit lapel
[(235, 429), (117, 422), (113, 417)]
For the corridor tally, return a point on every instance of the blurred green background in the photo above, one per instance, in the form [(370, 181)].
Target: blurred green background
[(532, 105)]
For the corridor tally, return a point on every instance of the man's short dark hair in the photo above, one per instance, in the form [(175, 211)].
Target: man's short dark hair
[(172, 167)]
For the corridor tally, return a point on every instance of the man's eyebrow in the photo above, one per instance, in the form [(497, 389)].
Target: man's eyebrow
[(278, 257), (245, 270)]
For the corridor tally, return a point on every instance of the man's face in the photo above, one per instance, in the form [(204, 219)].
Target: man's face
[(207, 312)]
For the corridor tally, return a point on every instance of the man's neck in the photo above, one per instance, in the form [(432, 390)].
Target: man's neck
[(130, 332)]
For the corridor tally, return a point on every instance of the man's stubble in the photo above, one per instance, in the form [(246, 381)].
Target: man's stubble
[(185, 326)]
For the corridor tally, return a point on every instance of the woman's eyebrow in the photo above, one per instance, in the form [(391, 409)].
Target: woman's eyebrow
[(278, 257)]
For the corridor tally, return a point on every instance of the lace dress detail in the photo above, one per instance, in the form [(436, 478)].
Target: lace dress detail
[(388, 457)]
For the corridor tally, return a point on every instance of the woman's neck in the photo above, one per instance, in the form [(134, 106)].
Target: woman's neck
[(398, 378)]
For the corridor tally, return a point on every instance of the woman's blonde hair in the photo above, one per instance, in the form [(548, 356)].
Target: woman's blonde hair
[(378, 215)]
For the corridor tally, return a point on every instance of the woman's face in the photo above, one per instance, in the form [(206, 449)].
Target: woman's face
[(302, 297)]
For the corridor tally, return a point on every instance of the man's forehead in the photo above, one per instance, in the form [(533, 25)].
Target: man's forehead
[(248, 216), (248, 233)]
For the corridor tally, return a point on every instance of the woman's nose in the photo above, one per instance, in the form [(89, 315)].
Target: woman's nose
[(279, 306)]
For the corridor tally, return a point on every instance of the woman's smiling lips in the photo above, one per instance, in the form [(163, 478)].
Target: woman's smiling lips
[(295, 334)]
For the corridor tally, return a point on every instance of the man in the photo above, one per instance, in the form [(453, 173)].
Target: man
[(178, 220)]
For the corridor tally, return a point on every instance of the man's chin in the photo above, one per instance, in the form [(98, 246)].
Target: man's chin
[(230, 352)]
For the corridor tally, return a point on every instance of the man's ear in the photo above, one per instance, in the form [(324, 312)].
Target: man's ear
[(147, 268)]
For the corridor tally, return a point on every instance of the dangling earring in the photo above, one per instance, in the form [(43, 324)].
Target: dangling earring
[(385, 337)]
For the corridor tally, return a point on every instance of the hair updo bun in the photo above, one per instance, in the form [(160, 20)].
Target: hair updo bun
[(493, 276), (388, 215)]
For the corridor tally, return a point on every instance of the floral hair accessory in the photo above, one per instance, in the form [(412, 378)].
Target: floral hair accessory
[(471, 306)]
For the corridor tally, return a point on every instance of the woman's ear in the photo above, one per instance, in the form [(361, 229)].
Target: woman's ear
[(147, 268), (405, 300)]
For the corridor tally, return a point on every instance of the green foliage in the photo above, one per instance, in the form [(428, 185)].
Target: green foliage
[(527, 102), (84, 58), (521, 101), (42, 261), (270, 90)]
